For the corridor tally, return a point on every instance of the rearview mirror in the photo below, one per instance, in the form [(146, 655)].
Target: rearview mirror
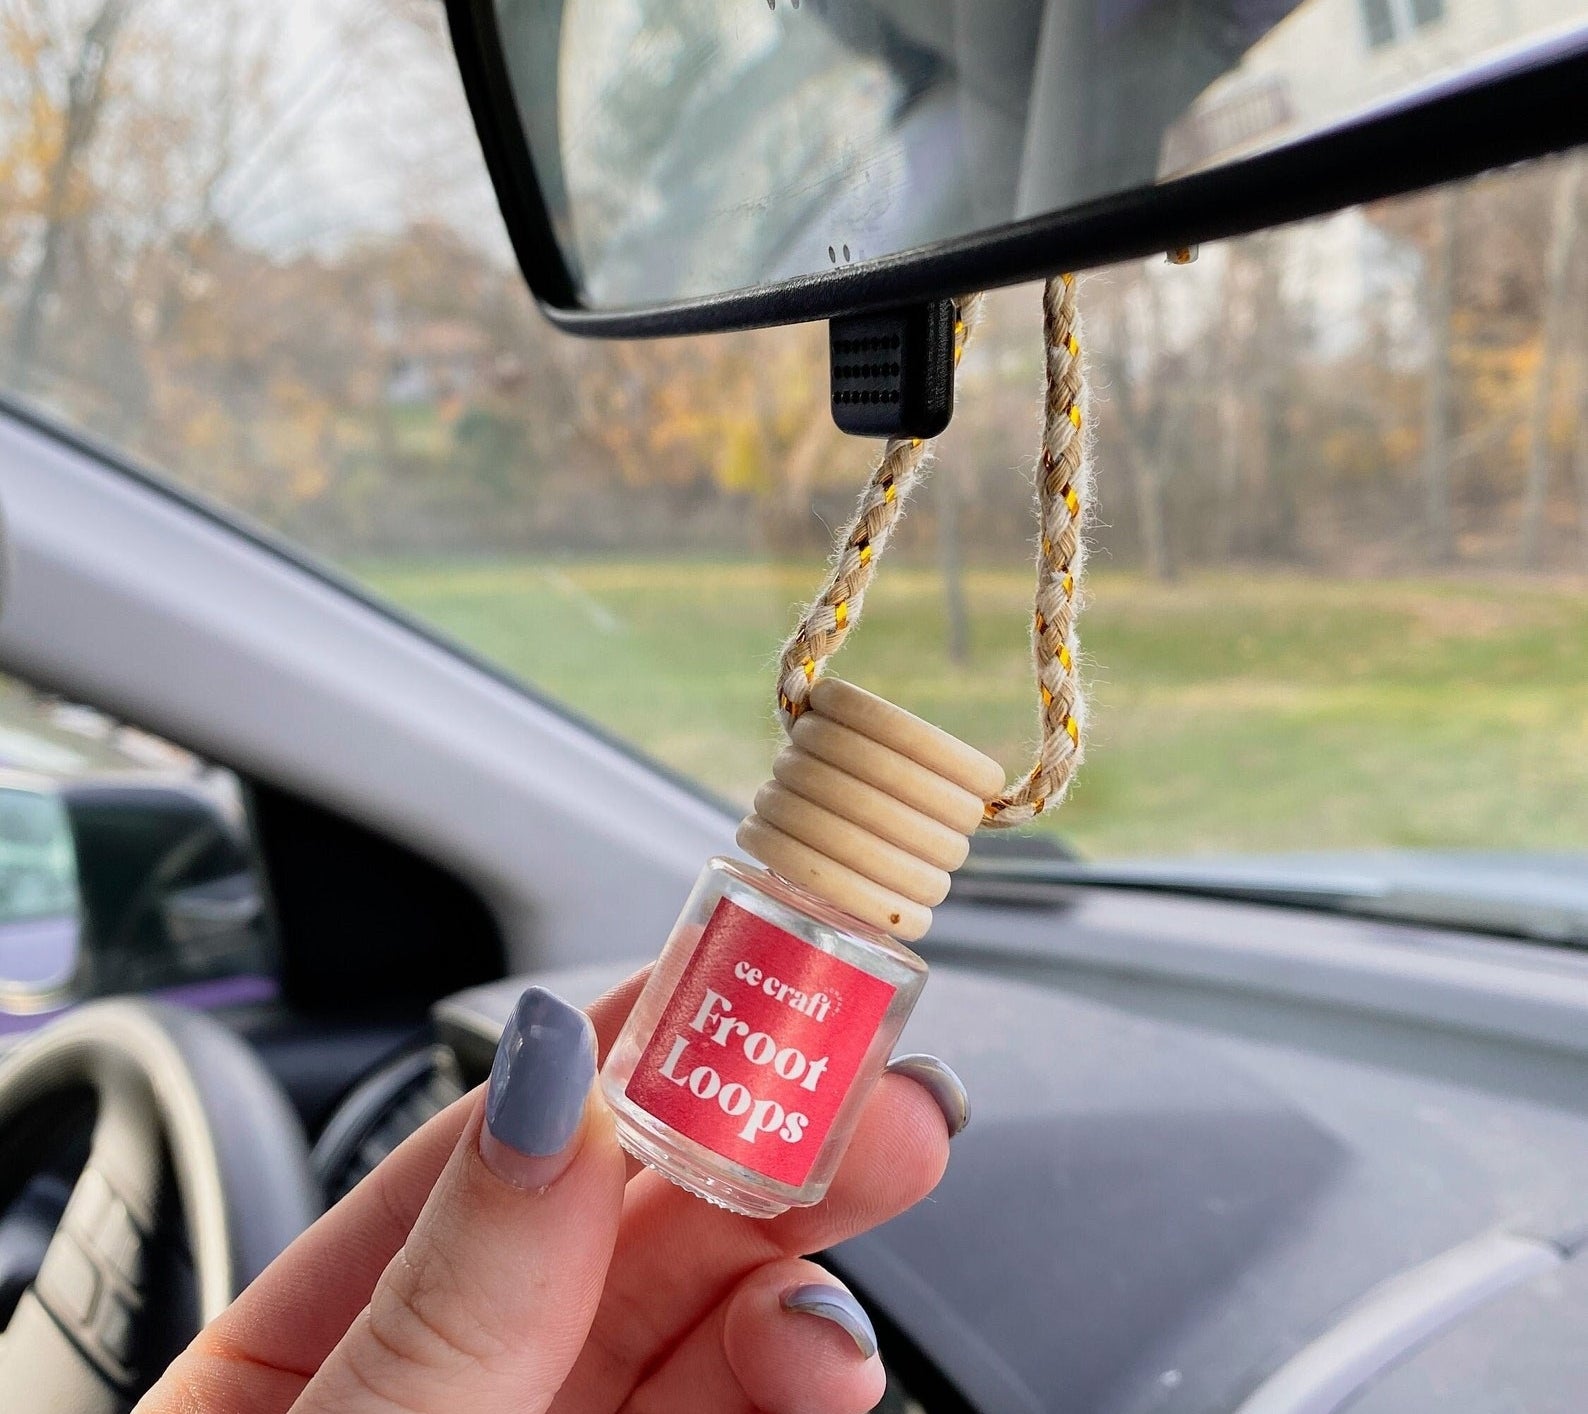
[(668, 166)]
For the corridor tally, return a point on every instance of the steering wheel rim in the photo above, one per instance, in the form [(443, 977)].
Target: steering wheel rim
[(181, 1101)]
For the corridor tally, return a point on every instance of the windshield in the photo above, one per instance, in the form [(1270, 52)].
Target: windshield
[(1338, 595)]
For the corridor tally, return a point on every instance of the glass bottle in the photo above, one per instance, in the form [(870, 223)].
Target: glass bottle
[(774, 1007)]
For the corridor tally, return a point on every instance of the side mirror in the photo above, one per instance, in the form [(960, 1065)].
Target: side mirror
[(121, 885), (40, 906)]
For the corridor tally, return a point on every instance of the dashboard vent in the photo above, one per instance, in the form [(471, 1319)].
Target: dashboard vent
[(381, 1111)]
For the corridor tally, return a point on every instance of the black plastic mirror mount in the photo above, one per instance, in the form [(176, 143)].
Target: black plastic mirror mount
[(1518, 107), (892, 371)]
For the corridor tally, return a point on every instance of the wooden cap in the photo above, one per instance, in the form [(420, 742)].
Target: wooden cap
[(870, 808)]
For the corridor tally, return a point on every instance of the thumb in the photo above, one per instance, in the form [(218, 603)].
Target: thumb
[(489, 1301)]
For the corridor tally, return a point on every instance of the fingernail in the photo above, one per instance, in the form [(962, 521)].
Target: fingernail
[(544, 1067), (941, 1084), (835, 1304)]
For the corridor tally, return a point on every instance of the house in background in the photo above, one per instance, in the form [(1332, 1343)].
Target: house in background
[(1325, 61), (437, 363), (1331, 58)]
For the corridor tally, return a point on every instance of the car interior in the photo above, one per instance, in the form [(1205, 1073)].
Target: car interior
[(1295, 1122)]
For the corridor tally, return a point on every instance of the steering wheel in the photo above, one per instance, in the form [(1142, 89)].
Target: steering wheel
[(174, 1096)]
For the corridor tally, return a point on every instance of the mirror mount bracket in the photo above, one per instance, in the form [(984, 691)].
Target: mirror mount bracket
[(892, 370)]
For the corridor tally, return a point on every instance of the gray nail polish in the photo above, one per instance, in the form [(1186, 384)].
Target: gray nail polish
[(941, 1084), (544, 1067), (833, 1303)]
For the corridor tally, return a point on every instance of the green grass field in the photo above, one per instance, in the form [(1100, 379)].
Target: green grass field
[(1228, 713)]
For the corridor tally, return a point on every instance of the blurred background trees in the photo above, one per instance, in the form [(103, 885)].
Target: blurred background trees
[(258, 251)]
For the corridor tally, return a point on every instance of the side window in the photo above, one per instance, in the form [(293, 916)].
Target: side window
[(1385, 21), (126, 865), (1378, 20)]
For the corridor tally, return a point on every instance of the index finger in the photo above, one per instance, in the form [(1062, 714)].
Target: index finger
[(258, 1354)]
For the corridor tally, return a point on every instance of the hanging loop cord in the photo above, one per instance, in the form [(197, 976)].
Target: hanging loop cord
[(1063, 496), (825, 624)]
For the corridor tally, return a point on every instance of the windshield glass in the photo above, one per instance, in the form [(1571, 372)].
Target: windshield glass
[(1338, 594)]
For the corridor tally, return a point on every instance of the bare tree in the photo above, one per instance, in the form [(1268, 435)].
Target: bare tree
[(1563, 234), (1130, 310), (1224, 372), (951, 562), (1439, 294), (1582, 475), (1270, 374), (84, 100)]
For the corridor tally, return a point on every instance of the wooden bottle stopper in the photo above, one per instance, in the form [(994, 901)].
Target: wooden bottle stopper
[(870, 808)]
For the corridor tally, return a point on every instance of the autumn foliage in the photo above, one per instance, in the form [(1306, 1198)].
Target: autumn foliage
[(262, 256)]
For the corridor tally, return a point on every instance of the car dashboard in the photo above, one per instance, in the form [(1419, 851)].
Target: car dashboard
[(1222, 1158)]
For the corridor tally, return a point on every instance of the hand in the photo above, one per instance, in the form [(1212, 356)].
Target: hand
[(508, 1257)]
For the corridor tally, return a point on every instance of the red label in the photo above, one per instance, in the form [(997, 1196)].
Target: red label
[(758, 1045)]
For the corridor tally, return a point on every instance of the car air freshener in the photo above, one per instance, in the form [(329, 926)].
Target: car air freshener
[(745, 1064), (778, 998)]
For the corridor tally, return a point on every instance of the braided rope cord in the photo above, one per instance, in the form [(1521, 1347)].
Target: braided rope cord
[(1063, 495), (825, 624)]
